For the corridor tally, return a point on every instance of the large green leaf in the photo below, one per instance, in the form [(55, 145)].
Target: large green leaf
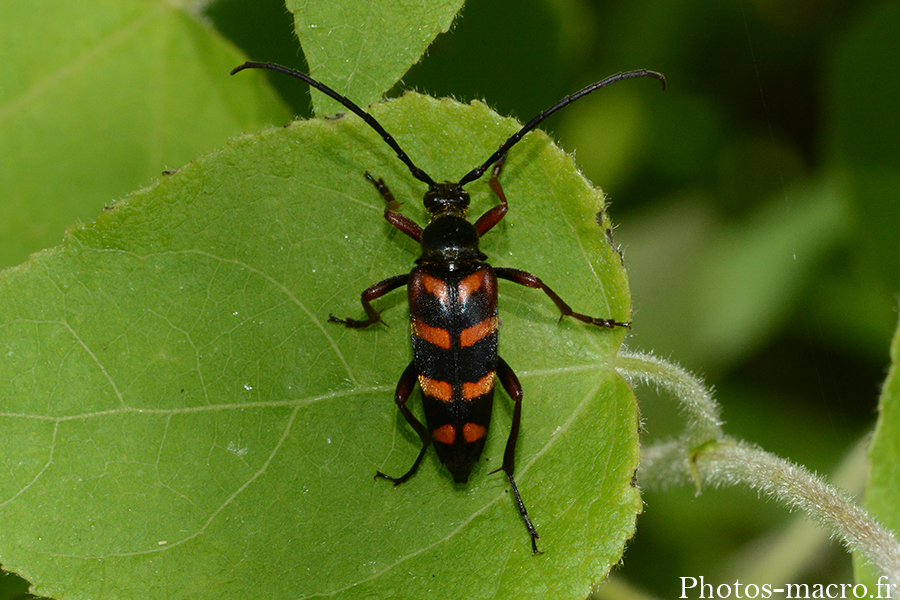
[(883, 488), (362, 49), (98, 97), (179, 420)]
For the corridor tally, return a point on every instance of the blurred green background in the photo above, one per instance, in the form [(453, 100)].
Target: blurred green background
[(757, 202)]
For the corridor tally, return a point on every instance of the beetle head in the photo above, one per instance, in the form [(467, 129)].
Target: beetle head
[(446, 198)]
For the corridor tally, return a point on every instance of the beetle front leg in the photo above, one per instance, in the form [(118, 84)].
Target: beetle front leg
[(391, 211), (511, 384), (493, 216), (376, 291), (404, 389), (528, 280)]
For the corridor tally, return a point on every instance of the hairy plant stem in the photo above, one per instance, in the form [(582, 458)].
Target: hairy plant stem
[(706, 456)]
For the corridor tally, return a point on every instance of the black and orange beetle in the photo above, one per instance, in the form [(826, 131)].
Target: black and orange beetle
[(453, 305)]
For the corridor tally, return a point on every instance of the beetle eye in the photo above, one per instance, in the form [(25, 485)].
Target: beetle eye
[(461, 198), (431, 199)]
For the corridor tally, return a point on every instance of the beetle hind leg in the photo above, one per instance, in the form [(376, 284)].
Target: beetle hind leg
[(404, 389), (511, 384)]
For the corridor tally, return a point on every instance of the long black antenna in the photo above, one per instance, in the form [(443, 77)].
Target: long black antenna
[(416, 171), (514, 139), (500, 153)]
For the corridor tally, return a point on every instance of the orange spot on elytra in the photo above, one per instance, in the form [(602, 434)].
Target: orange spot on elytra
[(472, 335), (444, 434), (441, 390), (473, 432), (470, 391)]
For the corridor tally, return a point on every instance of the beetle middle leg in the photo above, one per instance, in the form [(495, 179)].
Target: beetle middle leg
[(511, 384), (371, 293), (533, 281), (404, 389)]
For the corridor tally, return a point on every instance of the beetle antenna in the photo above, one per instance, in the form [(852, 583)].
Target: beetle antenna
[(369, 119), (514, 139)]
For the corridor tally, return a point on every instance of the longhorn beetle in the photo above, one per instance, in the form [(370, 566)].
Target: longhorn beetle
[(453, 305)]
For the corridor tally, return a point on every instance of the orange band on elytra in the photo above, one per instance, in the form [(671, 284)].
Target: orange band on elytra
[(433, 335), (435, 388), (472, 335), (469, 285), (436, 287), (481, 387)]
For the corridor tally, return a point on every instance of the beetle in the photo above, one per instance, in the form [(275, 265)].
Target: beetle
[(453, 305)]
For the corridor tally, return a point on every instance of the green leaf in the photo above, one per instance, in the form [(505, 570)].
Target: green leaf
[(179, 420), (363, 49), (883, 488), (97, 98)]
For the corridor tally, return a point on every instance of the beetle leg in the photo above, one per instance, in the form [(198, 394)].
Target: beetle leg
[(493, 216), (391, 211), (532, 281), (511, 384), (404, 389), (372, 292)]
